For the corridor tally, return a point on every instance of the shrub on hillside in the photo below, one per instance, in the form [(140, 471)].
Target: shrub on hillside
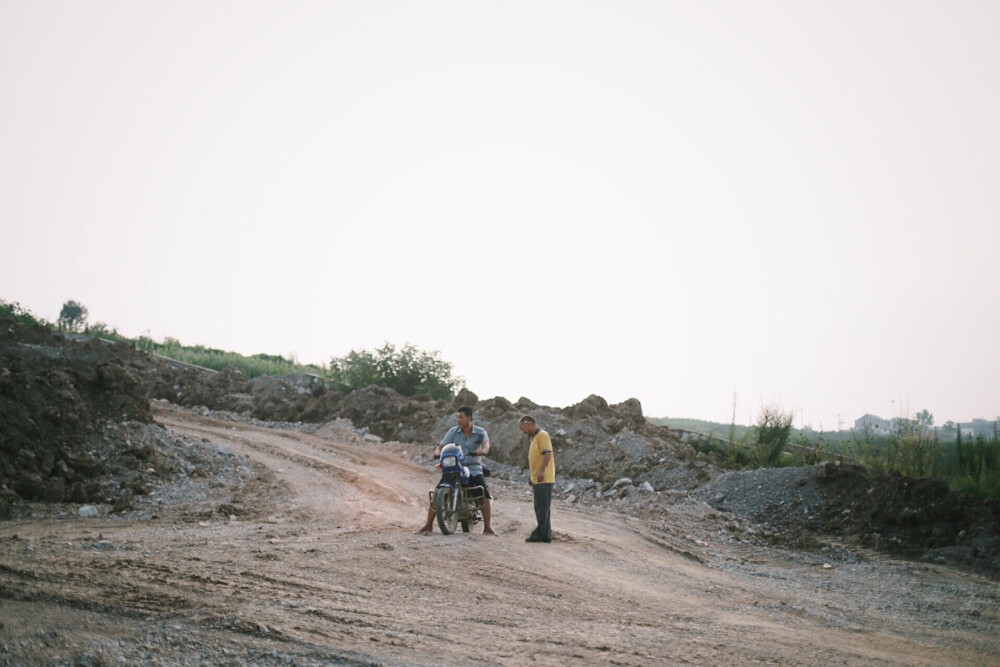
[(409, 371), (773, 430)]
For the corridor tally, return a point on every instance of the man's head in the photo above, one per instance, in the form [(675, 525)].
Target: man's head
[(464, 417), (527, 424)]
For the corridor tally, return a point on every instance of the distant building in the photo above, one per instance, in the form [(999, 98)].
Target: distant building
[(873, 424), (979, 427)]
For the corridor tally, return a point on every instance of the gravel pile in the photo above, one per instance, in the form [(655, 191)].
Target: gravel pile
[(765, 494)]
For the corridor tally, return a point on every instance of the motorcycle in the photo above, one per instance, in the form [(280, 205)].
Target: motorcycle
[(454, 501)]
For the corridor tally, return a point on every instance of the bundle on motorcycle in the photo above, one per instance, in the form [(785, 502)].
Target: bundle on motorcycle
[(454, 501)]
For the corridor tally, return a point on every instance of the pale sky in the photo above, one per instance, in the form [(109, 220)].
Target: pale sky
[(673, 201)]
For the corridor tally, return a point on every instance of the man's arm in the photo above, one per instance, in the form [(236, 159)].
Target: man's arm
[(484, 448), (546, 457)]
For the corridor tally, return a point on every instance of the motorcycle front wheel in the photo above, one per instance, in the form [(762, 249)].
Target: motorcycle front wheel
[(447, 517)]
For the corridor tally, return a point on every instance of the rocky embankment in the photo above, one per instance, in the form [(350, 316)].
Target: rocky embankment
[(76, 427)]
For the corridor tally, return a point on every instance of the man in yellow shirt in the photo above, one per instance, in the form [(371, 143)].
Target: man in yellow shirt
[(542, 470)]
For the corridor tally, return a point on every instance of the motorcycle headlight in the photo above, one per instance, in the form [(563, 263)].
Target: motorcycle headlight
[(449, 462)]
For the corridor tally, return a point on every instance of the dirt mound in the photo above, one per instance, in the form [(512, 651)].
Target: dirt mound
[(910, 517), (914, 518), (594, 439), (60, 400), (294, 398)]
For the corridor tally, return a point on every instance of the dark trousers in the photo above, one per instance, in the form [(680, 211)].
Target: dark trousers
[(543, 511)]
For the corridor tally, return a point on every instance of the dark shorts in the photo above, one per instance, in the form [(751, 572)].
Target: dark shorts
[(479, 480)]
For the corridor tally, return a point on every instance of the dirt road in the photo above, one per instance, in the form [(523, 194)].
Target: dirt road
[(314, 561)]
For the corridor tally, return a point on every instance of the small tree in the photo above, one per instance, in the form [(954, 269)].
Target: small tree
[(409, 371), (732, 423), (960, 452), (918, 456), (773, 430), (73, 316)]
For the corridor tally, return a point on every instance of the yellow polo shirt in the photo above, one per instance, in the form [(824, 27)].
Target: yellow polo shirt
[(541, 443)]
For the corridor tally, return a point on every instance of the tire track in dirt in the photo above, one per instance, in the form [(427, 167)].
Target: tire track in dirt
[(309, 454)]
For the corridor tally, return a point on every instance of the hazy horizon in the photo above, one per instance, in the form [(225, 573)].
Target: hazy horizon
[(666, 201)]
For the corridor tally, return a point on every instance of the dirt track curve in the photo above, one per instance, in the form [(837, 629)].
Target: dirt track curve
[(317, 563)]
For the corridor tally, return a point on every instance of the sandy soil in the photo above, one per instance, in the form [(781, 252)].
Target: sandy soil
[(314, 561)]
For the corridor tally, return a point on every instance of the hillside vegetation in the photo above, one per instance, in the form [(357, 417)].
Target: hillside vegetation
[(972, 465)]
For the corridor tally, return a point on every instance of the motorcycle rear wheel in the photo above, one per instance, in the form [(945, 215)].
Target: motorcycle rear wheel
[(447, 518)]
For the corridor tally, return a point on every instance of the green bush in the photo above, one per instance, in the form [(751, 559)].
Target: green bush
[(773, 429), (919, 456), (11, 310), (409, 371), (975, 466)]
